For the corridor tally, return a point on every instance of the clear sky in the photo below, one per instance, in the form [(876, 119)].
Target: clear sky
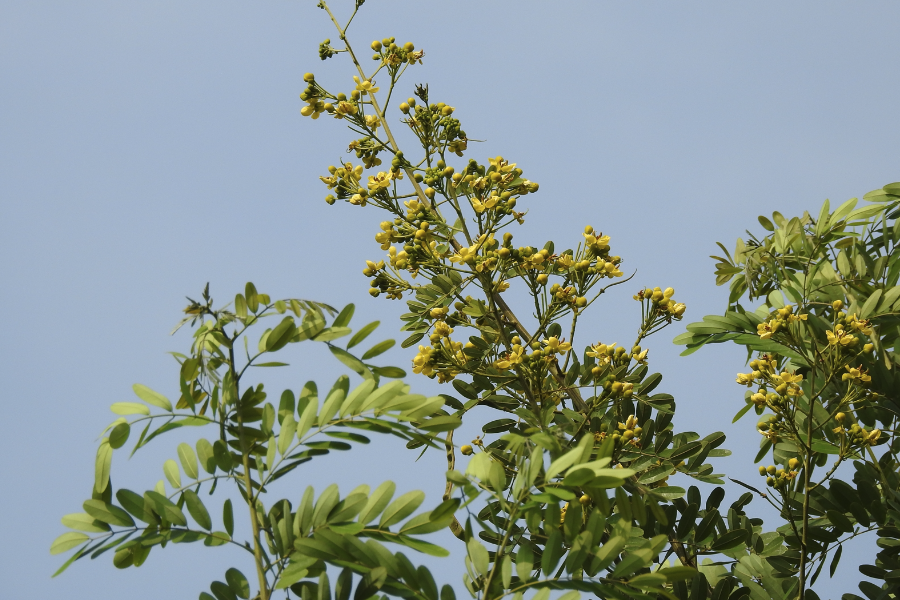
[(149, 147)]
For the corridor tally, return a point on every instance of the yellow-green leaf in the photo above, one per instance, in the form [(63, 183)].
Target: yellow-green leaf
[(151, 397), (67, 541), (170, 468)]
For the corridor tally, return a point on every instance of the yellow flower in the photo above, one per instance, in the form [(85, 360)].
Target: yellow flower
[(511, 359), (422, 361), (557, 346), (597, 241), (601, 352), (379, 182), (399, 260), (790, 377), (465, 254), (313, 109), (863, 326), (488, 204), (747, 378), (564, 262), (501, 165), (344, 108), (765, 330), (329, 181), (839, 337), (365, 87), (854, 373), (372, 122)]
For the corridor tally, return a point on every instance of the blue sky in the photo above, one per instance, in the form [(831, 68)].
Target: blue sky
[(147, 148)]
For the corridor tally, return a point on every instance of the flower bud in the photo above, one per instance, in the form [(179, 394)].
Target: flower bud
[(404, 108), (541, 279), (376, 46), (837, 305), (309, 77), (585, 500), (466, 449)]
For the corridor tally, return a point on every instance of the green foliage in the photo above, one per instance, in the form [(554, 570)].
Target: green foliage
[(568, 488), (825, 379), (251, 445)]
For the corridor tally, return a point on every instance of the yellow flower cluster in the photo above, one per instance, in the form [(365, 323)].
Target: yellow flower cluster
[(386, 235), (595, 241), (603, 353), (399, 260), (784, 315), (513, 358), (662, 301), (778, 478), (840, 338), (856, 374), (422, 362), (556, 346), (365, 86), (315, 108)]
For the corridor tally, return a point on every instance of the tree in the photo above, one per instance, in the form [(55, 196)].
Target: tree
[(826, 379), (568, 488), (256, 444)]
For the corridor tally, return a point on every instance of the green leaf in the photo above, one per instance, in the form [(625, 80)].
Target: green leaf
[(389, 372), (281, 335), (379, 348), (166, 509), (170, 469), (377, 502), (136, 505), (401, 508), (84, 522), (478, 554), (307, 418), (357, 397), (287, 433), (331, 333), (119, 435), (108, 513), (206, 456), (525, 563), (553, 551), (730, 540), (151, 397), (669, 492), (422, 546), (237, 582), (221, 591), (197, 510), (350, 361), (102, 465), (130, 408), (343, 318), (678, 573), (67, 541), (362, 334), (228, 517), (766, 223), (869, 307), (576, 455), (607, 553), (188, 460), (422, 524)]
